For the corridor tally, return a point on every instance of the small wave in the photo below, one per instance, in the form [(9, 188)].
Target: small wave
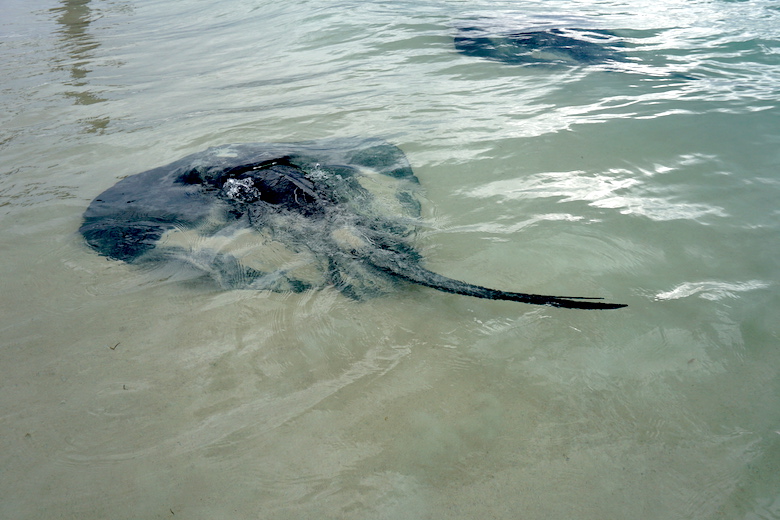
[(711, 290)]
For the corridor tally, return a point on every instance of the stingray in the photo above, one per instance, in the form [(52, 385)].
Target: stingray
[(540, 46), (339, 212)]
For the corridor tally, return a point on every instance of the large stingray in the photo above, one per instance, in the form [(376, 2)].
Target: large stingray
[(539, 46), (338, 212)]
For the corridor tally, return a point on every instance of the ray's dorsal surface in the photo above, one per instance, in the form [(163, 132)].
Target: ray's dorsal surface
[(541, 46), (344, 209)]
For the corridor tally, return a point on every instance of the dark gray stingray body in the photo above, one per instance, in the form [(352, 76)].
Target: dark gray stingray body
[(338, 212), (539, 46)]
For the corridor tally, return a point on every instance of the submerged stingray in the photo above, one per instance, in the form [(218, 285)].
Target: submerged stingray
[(338, 212), (540, 46)]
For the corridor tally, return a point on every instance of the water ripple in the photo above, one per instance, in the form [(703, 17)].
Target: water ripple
[(711, 290)]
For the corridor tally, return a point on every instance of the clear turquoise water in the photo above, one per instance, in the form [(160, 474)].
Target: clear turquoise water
[(652, 182)]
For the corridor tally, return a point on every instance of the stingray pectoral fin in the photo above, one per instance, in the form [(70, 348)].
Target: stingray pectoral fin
[(422, 276)]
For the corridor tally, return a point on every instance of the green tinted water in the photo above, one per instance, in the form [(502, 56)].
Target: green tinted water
[(651, 182)]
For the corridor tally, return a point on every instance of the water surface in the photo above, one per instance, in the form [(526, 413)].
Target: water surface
[(651, 182)]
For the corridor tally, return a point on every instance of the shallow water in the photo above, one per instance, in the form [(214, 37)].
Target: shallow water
[(651, 182)]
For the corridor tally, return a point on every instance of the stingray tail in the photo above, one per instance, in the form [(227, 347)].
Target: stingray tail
[(433, 280)]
